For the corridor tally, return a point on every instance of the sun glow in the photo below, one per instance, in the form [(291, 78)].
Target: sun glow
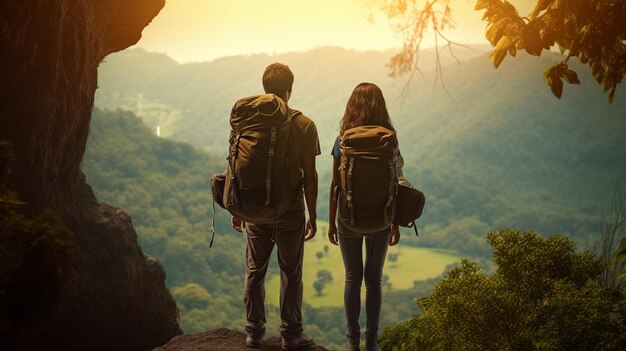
[(200, 30)]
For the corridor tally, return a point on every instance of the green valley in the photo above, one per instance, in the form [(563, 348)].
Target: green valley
[(412, 264)]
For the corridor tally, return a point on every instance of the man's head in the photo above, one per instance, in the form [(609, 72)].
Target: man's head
[(278, 80)]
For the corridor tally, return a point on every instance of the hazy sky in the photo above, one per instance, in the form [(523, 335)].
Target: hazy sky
[(201, 30)]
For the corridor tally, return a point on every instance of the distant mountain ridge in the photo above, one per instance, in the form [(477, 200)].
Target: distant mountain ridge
[(494, 150), (206, 91)]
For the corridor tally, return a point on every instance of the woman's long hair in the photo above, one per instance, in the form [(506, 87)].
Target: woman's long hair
[(366, 106)]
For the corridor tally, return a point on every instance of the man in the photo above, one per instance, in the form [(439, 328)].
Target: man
[(288, 233)]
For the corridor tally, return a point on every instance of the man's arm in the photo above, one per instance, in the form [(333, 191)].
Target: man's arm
[(310, 195)]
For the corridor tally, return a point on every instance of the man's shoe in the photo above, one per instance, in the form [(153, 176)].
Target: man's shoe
[(354, 341), (297, 343), (253, 342), (353, 346)]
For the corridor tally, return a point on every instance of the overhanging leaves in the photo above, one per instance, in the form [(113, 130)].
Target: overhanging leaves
[(592, 31)]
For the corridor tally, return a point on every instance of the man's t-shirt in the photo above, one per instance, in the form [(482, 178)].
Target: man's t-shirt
[(303, 142)]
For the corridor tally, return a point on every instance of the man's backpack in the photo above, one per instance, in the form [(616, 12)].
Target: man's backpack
[(256, 181), (367, 198)]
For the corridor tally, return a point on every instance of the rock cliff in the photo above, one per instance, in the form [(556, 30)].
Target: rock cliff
[(50, 53)]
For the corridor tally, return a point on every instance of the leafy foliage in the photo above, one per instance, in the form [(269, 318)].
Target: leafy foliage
[(591, 31), (192, 296), (543, 295), (413, 20)]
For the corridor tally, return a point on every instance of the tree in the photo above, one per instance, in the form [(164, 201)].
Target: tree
[(612, 231), (319, 255), (392, 257), (319, 286), (192, 296), (543, 295), (325, 275), (591, 31)]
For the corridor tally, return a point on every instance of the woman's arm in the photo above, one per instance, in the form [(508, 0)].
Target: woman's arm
[(399, 172), (332, 204)]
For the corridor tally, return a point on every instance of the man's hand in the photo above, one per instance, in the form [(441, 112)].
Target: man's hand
[(311, 229), (310, 195), (394, 238), (237, 224), (332, 233)]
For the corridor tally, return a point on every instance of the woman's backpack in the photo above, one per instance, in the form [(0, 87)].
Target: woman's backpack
[(409, 206), (367, 199)]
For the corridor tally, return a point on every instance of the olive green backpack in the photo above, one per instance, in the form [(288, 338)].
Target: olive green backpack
[(367, 199), (255, 186)]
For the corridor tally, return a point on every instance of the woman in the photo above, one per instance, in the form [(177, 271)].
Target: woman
[(366, 106)]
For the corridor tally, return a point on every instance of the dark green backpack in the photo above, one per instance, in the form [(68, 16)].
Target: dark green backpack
[(255, 184), (367, 199)]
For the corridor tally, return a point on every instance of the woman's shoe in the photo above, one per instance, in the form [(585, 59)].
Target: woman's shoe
[(371, 342)]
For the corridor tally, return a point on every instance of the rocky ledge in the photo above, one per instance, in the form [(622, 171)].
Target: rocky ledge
[(222, 340)]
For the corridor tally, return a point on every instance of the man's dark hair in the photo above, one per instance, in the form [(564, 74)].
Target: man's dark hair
[(277, 79)]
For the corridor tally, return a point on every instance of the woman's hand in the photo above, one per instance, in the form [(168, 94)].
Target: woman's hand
[(332, 233), (394, 238)]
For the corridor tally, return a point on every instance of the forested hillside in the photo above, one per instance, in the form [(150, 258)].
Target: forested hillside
[(495, 150)]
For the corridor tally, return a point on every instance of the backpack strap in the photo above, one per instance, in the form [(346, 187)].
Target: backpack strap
[(389, 208), (232, 158), (212, 226), (349, 190), (270, 161), (412, 225)]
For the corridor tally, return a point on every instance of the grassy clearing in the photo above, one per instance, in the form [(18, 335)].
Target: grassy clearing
[(412, 264)]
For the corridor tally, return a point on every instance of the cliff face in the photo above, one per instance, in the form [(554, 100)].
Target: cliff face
[(48, 67)]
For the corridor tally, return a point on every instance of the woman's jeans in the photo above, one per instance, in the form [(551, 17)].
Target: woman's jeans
[(351, 245)]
